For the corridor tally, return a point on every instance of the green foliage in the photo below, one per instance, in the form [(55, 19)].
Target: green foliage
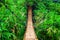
[(30, 2), (47, 20), (12, 19)]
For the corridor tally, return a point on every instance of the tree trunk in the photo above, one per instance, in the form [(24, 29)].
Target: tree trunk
[(30, 34)]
